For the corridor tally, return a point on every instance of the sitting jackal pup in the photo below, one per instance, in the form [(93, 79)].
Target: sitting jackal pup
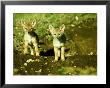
[(59, 40), (30, 37)]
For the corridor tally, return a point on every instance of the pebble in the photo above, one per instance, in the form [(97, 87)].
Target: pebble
[(75, 66), (25, 64)]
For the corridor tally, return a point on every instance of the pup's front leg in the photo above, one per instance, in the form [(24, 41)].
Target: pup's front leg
[(36, 48), (63, 53), (56, 54), (25, 48), (31, 49)]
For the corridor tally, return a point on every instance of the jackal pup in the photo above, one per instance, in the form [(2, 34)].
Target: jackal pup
[(30, 37), (59, 40)]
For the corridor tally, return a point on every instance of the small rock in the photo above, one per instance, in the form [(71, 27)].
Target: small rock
[(25, 64), (75, 66), (25, 71)]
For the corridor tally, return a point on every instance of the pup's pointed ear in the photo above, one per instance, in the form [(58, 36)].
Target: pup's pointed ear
[(62, 28), (51, 28), (22, 22), (33, 23)]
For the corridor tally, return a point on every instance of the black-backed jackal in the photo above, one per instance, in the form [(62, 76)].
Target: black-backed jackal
[(31, 39), (59, 40)]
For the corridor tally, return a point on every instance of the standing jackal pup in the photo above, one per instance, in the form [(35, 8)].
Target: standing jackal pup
[(30, 37), (59, 40)]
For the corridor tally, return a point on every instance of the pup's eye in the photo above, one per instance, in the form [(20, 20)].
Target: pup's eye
[(58, 34), (31, 28), (54, 34)]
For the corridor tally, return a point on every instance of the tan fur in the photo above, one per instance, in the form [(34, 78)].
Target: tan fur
[(30, 38), (58, 42)]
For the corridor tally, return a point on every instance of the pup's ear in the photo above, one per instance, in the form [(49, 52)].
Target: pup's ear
[(22, 22), (33, 23), (62, 28), (51, 28)]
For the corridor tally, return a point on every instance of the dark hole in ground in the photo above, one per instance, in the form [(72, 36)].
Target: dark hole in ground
[(50, 52)]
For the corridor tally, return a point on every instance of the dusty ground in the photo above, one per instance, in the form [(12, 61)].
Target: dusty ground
[(44, 65)]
